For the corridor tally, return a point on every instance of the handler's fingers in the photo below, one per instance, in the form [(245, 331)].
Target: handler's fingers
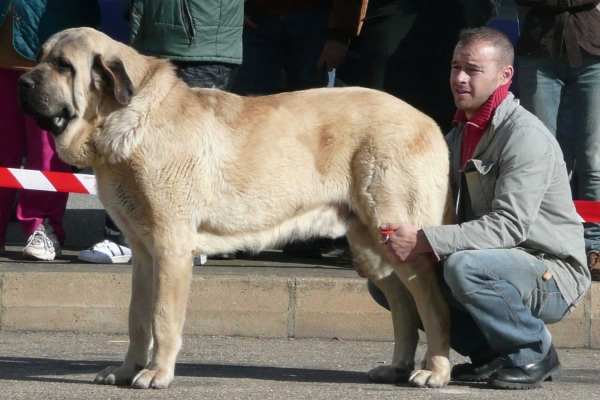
[(389, 226)]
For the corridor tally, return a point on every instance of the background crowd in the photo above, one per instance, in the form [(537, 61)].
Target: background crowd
[(262, 47)]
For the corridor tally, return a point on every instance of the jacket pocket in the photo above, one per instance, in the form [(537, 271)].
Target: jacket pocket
[(481, 183), (188, 21)]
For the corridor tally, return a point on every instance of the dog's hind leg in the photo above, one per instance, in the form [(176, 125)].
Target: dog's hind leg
[(405, 318), (400, 195), (420, 279), (140, 321)]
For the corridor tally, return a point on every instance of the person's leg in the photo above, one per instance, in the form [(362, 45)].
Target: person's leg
[(36, 206), (582, 135), (541, 86), (112, 232), (510, 297), (386, 24), (418, 71), (306, 33), (465, 336), (12, 141), (261, 69)]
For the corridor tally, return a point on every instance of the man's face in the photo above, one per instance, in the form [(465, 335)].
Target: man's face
[(476, 73)]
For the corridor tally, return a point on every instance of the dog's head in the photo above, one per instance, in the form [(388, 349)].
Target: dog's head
[(82, 77)]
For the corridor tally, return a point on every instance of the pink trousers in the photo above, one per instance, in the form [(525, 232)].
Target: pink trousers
[(19, 137)]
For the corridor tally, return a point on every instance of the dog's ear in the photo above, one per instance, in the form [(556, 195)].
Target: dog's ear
[(114, 71)]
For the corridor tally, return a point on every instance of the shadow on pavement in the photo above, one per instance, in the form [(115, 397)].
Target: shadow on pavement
[(51, 370)]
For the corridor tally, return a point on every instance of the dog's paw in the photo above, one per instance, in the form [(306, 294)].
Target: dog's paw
[(115, 376), (430, 379), (389, 374), (153, 379)]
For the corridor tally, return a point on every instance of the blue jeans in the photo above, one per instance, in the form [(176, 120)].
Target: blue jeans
[(567, 99), (499, 303), (292, 43)]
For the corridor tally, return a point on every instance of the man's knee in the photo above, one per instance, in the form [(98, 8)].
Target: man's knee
[(462, 272)]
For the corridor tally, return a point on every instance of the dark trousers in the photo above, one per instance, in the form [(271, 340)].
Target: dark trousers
[(290, 43), (405, 48)]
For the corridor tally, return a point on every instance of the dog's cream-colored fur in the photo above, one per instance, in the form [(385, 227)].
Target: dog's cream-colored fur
[(185, 170)]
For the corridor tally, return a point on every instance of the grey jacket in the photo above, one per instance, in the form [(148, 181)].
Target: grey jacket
[(520, 196)]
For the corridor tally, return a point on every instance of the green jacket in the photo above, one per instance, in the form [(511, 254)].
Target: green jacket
[(34, 21), (519, 192), (189, 30)]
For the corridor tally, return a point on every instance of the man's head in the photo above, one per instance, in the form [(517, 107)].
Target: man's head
[(482, 61)]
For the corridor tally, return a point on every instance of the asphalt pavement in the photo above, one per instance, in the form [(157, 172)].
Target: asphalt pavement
[(63, 366)]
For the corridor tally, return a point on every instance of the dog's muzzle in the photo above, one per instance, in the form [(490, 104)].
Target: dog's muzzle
[(54, 122)]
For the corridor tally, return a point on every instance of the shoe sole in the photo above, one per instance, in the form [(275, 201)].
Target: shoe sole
[(553, 375), (31, 257), (471, 379), (108, 260)]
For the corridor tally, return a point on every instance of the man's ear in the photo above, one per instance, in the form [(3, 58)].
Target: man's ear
[(507, 74), (114, 71)]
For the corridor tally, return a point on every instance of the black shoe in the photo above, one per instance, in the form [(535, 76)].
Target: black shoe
[(479, 370), (528, 376)]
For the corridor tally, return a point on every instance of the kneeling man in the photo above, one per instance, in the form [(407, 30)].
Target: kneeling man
[(515, 261)]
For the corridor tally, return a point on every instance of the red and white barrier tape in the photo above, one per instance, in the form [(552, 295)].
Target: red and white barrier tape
[(588, 210), (48, 181), (86, 184)]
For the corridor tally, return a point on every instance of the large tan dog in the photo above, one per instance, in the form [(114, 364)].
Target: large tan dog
[(185, 170)]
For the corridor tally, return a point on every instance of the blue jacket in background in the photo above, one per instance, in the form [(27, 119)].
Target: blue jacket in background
[(34, 21)]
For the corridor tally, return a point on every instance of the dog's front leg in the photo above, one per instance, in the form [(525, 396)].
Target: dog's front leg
[(140, 322), (172, 275)]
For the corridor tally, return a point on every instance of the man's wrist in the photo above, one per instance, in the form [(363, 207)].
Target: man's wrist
[(423, 242)]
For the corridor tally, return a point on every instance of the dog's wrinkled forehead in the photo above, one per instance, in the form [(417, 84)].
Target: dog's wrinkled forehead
[(67, 44)]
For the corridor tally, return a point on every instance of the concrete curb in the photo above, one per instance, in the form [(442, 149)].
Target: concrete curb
[(240, 304)]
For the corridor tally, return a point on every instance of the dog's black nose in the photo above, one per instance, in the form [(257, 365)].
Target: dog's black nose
[(26, 83)]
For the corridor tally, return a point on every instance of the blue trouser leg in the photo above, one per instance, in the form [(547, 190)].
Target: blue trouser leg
[(566, 100), (465, 336), (510, 302)]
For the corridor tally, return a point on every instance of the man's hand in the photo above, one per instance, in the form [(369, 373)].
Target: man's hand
[(407, 242), (333, 54)]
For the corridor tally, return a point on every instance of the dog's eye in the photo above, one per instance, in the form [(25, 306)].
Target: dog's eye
[(63, 64)]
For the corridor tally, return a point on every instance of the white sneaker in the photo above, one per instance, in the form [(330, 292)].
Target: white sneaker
[(106, 252), (199, 259), (43, 245)]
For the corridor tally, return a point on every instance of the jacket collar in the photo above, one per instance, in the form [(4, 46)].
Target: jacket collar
[(505, 108)]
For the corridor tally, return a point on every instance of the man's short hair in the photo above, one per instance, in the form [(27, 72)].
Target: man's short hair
[(493, 36)]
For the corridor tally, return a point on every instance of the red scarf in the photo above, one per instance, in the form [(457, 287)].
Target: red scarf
[(475, 127)]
